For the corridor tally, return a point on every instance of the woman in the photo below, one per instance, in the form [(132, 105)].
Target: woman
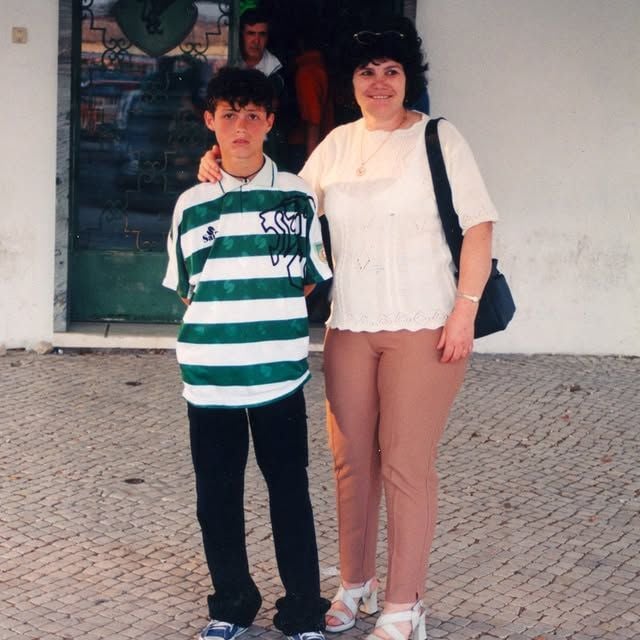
[(401, 327)]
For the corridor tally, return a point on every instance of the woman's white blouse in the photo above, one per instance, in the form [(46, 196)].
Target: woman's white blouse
[(392, 266)]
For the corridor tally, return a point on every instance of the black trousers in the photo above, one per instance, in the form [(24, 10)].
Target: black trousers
[(219, 449)]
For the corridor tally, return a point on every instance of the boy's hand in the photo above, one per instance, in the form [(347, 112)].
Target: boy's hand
[(209, 169)]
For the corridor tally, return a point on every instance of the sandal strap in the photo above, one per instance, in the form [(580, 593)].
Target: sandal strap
[(341, 615), (387, 623), (349, 598), (391, 631), (398, 616)]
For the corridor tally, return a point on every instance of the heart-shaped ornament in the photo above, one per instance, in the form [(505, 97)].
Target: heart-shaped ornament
[(155, 26)]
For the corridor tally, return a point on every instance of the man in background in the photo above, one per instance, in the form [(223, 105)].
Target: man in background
[(254, 36)]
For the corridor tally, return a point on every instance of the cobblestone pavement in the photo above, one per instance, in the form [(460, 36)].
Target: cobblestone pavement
[(538, 533)]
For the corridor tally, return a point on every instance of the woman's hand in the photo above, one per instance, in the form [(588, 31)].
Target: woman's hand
[(209, 169), (456, 340)]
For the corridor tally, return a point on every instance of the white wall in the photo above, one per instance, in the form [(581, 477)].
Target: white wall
[(546, 91), (28, 82), (548, 94)]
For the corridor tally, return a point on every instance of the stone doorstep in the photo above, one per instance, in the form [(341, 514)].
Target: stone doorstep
[(126, 335)]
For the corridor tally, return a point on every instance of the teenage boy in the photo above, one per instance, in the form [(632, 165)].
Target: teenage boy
[(241, 253)]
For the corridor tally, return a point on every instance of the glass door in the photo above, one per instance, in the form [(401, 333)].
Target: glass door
[(142, 69)]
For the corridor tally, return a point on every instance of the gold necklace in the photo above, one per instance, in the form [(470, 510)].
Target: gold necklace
[(361, 170)]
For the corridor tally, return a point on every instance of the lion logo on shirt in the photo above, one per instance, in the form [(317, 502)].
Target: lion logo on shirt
[(287, 228)]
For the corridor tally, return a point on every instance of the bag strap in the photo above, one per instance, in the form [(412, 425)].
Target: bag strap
[(442, 189)]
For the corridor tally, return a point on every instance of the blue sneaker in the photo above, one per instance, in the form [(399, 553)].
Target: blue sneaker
[(307, 635), (219, 630)]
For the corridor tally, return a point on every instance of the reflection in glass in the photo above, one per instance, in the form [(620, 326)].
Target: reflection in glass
[(140, 127)]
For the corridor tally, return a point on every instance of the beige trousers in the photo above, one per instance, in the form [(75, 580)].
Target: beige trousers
[(388, 399)]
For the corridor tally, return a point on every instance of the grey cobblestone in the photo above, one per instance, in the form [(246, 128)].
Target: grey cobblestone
[(538, 534)]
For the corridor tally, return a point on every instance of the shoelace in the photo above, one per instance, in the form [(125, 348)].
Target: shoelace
[(220, 629), (309, 635)]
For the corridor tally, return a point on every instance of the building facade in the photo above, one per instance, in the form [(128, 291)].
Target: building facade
[(101, 134)]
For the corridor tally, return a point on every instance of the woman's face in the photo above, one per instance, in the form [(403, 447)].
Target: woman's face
[(380, 87)]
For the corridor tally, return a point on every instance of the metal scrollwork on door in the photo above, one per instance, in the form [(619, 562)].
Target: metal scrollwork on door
[(115, 47), (144, 69), (156, 26)]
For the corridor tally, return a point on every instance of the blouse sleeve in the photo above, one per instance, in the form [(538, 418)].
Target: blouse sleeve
[(470, 196)]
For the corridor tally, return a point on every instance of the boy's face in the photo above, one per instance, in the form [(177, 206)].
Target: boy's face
[(240, 131)]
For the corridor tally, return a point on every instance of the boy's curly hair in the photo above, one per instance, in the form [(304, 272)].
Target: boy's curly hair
[(239, 87)]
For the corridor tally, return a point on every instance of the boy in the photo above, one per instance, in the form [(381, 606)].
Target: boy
[(241, 252)]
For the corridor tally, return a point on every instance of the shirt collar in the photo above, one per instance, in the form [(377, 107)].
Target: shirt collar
[(268, 64), (266, 177)]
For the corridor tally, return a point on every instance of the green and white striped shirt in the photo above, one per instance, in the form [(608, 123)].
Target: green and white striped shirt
[(242, 253)]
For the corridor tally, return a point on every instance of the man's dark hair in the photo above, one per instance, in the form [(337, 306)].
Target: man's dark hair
[(381, 39), (239, 87), (253, 16)]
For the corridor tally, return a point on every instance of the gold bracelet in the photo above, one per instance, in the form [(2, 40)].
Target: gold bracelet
[(468, 296)]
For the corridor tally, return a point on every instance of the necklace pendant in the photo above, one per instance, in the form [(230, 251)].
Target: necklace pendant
[(360, 170)]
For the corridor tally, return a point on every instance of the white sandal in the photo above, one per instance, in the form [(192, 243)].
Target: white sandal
[(366, 596), (387, 623)]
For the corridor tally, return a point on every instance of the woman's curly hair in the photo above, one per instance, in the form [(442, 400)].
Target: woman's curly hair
[(405, 49)]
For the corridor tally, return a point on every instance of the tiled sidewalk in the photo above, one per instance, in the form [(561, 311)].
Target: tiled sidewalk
[(539, 527)]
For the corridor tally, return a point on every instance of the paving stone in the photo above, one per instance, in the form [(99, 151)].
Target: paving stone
[(538, 528)]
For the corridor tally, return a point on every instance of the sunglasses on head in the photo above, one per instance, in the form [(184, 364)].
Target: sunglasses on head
[(373, 37)]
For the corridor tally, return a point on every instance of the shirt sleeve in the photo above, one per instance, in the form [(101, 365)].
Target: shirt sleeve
[(316, 266), (176, 276), (471, 199)]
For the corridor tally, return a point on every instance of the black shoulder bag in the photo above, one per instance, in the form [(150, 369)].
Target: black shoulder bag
[(496, 307)]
